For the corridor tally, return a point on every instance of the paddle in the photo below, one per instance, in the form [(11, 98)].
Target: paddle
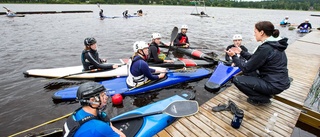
[(175, 109), (174, 34), (182, 70)]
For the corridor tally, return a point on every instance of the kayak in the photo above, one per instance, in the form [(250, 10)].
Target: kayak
[(220, 76), (15, 15), (60, 72), (150, 125), (121, 71), (145, 126), (193, 53), (119, 86), (304, 30), (111, 17), (179, 63), (130, 16)]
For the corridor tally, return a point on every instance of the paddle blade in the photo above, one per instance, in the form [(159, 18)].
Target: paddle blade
[(182, 108), (174, 34)]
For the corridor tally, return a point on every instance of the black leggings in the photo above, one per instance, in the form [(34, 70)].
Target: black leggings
[(255, 88)]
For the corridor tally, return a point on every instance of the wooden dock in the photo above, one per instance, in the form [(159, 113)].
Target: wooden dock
[(303, 64)]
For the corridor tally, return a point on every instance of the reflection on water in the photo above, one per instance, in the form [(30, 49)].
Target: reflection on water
[(56, 40)]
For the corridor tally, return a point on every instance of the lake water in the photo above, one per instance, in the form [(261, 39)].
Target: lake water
[(56, 40)]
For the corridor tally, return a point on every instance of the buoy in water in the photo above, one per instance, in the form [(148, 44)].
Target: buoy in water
[(117, 99)]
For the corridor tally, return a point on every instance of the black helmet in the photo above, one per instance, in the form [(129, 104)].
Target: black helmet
[(88, 90), (89, 41)]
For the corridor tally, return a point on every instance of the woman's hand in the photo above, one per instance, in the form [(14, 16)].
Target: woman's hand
[(237, 50), (230, 52)]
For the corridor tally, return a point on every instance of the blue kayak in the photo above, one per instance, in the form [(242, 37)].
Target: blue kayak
[(111, 17), (147, 126), (304, 30), (118, 85), (220, 76)]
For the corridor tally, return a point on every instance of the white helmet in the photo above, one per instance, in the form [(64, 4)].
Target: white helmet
[(307, 20), (139, 45), (236, 37), (287, 17), (156, 36), (184, 27)]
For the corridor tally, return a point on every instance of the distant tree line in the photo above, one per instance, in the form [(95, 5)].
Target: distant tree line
[(264, 4)]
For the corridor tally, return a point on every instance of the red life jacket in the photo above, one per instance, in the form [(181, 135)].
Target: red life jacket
[(183, 39)]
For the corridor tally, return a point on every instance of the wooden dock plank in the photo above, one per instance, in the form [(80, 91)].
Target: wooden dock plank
[(203, 126), (193, 128), (173, 131), (183, 130)]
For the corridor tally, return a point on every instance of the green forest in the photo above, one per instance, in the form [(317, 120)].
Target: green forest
[(264, 4)]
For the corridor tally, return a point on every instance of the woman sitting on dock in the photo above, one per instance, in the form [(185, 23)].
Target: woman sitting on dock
[(270, 63), (139, 71)]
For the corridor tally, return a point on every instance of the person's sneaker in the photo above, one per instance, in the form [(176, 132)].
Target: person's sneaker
[(258, 103)]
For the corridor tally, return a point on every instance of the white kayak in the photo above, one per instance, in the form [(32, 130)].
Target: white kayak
[(61, 72)]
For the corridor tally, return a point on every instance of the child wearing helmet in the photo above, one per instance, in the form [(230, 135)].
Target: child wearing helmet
[(125, 13), (285, 22), (182, 38), (140, 12), (305, 25), (90, 119), (139, 71), (90, 57), (237, 39), (101, 14), (154, 50)]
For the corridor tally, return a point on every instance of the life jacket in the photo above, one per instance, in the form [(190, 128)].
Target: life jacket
[(71, 126), (134, 81), (183, 39)]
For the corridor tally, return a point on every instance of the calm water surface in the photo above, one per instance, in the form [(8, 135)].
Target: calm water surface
[(56, 40)]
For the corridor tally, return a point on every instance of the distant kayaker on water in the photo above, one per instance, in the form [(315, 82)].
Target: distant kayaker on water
[(154, 50), (139, 71), (9, 12), (269, 61), (182, 38), (90, 120), (202, 13), (140, 12), (285, 21), (125, 13), (237, 39), (305, 25), (90, 57), (101, 14)]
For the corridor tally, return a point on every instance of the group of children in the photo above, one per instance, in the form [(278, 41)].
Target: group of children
[(303, 26), (265, 73)]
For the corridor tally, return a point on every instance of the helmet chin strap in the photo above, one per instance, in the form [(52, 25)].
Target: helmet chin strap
[(143, 55)]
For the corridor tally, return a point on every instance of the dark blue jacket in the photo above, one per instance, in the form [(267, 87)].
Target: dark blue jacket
[(270, 61)]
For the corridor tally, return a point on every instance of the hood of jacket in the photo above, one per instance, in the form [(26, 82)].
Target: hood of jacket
[(281, 44)]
